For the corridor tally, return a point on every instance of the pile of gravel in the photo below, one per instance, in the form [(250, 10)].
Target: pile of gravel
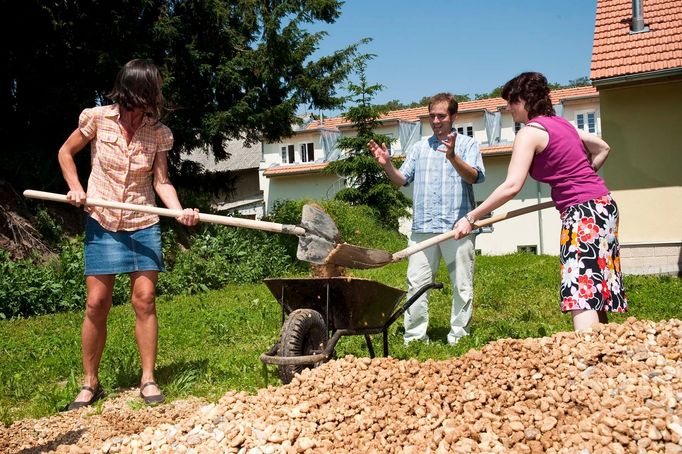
[(615, 388)]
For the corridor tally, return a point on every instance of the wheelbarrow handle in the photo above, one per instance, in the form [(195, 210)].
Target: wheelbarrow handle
[(410, 301)]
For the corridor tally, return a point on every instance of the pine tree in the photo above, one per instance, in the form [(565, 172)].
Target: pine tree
[(367, 183)]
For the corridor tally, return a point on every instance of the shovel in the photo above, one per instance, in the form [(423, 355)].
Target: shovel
[(358, 257), (317, 234)]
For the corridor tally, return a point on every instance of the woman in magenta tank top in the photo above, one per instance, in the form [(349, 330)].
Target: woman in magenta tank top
[(553, 151)]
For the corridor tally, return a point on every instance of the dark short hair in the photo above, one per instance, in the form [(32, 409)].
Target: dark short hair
[(532, 87), (138, 84), (447, 97)]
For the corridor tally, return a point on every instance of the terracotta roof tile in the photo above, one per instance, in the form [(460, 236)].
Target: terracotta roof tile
[(617, 52), (295, 169), (497, 150), (490, 104)]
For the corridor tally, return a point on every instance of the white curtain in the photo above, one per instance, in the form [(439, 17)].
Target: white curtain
[(328, 139), (493, 127), (559, 109), (409, 132)]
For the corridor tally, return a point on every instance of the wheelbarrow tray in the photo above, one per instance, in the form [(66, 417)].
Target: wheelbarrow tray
[(347, 303)]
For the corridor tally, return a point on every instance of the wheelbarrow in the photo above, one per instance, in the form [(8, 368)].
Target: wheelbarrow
[(312, 308)]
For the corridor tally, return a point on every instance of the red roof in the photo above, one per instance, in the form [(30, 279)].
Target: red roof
[(298, 169), (489, 104), (617, 52), (295, 169)]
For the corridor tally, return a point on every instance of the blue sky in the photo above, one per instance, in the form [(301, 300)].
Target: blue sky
[(463, 46)]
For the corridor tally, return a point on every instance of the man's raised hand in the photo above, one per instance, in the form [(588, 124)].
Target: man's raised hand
[(380, 153)]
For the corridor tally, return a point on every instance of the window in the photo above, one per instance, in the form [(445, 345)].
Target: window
[(587, 121), (307, 152), (517, 127), (466, 130), (288, 154), (527, 249)]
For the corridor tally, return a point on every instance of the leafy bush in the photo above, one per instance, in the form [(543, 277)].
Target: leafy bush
[(50, 229), (30, 288), (358, 224), (221, 255), (218, 256)]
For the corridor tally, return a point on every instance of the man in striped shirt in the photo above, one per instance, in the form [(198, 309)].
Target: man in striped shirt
[(442, 169)]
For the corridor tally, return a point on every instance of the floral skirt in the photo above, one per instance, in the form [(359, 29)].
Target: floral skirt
[(590, 257)]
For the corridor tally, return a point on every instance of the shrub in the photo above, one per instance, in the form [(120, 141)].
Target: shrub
[(359, 224), (218, 256)]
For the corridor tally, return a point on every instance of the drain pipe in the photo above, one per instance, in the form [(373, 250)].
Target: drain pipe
[(542, 249), (637, 24)]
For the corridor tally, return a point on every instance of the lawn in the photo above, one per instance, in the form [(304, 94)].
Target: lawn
[(210, 343)]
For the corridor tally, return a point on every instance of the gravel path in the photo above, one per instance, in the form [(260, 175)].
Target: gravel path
[(614, 389)]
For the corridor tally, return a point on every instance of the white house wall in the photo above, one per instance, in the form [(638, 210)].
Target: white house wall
[(314, 186), (539, 230)]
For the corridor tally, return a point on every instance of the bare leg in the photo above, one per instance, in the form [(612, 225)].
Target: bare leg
[(584, 318), (94, 331), (146, 325)]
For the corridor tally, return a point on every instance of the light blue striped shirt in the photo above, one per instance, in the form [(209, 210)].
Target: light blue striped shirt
[(440, 196)]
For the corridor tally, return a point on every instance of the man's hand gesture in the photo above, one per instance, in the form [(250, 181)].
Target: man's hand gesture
[(380, 153), (449, 143)]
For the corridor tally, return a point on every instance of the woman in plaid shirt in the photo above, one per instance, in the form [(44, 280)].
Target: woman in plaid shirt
[(129, 148)]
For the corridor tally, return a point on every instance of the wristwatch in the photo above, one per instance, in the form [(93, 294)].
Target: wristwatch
[(468, 218)]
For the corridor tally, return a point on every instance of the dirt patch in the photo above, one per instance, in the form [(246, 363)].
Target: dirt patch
[(86, 429), (614, 389), (18, 234)]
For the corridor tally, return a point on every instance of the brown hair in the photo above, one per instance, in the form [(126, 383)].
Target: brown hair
[(447, 97), (532, 87), (138, 84)]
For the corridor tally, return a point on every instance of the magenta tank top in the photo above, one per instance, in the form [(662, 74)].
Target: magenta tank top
[(564, 166)]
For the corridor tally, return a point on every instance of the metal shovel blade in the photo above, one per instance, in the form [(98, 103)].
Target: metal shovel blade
[(321, 235), (358, 257), (351, 256)]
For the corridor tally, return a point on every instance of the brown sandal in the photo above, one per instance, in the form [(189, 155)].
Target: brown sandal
[(97, 394), (153, 399)]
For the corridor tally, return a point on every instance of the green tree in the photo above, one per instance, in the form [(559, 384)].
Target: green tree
[(367, 182), (395, 104), (580, 82), (232, 68), (495, 93)]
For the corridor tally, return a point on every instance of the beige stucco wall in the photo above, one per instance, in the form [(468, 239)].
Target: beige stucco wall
[(315, 186), (541, 230), (642, 124)]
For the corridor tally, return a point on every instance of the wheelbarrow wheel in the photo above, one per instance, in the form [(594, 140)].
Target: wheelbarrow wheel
[(303, 333)]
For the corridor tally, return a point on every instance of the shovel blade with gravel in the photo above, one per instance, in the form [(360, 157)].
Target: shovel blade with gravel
[(352, 256)]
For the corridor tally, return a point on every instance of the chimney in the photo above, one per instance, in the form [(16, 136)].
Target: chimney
[(637, 24)]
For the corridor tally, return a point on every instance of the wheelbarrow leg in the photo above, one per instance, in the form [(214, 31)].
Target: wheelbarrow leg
[(370, 347), (385, 336)]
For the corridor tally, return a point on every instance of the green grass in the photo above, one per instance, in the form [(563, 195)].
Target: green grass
[(210, 343)]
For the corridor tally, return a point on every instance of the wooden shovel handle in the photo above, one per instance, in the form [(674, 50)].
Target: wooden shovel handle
[(211, 218), (477, 225)]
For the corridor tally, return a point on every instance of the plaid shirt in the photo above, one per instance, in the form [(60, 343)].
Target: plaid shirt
[(440, 196), (122, 172)]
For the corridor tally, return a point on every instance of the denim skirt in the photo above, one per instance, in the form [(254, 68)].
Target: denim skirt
[(108, 252)]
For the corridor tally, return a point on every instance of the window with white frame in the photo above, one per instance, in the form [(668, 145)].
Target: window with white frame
[(288, 155), (307, 152), (465, 130), (587, 121)]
